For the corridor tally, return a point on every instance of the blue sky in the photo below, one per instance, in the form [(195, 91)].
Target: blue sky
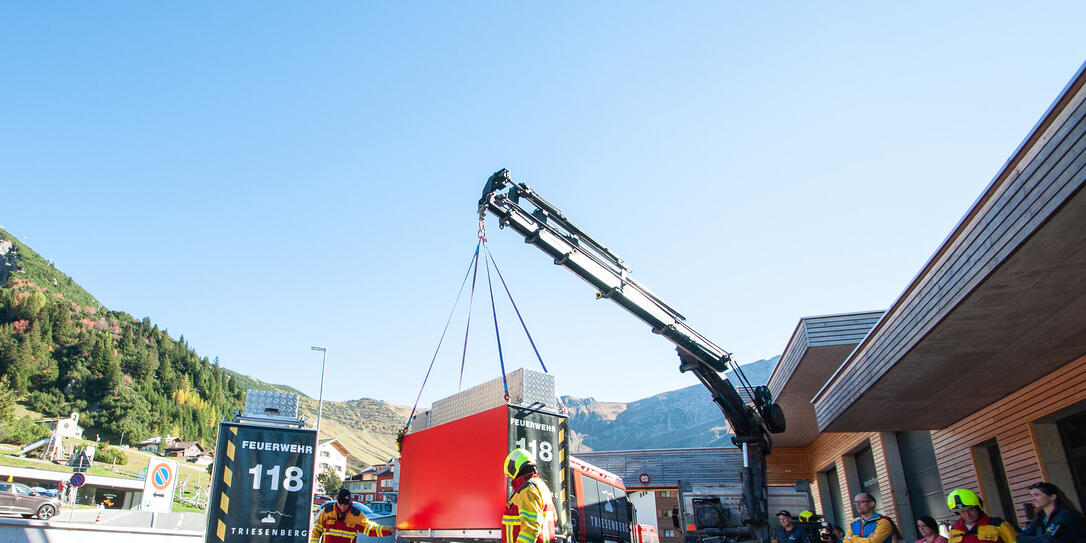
[(267, 176)]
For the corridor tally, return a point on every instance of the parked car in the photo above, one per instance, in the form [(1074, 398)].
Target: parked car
[(321, 499), (45, 491), (19, 499)]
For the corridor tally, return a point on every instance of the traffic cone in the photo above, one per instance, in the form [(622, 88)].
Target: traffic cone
[(98, 519)]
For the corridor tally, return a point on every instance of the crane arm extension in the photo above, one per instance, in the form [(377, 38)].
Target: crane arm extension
[(570, 247), (549, 230)]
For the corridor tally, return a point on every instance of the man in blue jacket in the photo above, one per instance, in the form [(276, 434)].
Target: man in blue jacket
[(789, 532)]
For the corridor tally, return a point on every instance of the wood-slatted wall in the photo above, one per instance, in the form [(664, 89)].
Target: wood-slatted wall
[(786, 465), (1009, 421), (830, 449)]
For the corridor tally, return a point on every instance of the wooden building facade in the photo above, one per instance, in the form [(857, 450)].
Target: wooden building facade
[(975, 377)]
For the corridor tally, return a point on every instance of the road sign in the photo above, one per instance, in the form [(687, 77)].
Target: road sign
[(158, 486), (262, 484), (77, 480), (645, 479)]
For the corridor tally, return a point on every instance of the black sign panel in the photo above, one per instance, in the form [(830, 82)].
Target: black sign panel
[(545, 436), (262, 484)]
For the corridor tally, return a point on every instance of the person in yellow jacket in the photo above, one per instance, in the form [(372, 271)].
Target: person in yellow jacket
[(975, 526), (342, 520), (529, 513), (871, 527)]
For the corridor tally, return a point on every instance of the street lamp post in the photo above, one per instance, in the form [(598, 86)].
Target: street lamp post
[(320, 400)]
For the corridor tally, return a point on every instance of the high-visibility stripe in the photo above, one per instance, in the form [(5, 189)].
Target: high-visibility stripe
[(224, 503), (230, 450), (221, 531), (528, 515), (525, 538), (227, 476)]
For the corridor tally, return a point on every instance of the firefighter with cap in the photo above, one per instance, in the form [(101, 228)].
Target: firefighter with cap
[(529, 513), (342, 520), (974, 526)]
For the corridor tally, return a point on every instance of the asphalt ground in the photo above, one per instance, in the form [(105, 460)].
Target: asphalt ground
[(129, 518)]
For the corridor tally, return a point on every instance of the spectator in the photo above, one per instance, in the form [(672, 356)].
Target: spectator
[(929, 531), (789, 532), (871, 527), (1056, 520), (839, 533)]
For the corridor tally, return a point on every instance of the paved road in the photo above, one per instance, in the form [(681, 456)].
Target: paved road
[(132, 518)]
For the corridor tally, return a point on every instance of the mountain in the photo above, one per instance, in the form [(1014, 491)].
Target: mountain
[(62, 351), (367, 427), (680, 418)]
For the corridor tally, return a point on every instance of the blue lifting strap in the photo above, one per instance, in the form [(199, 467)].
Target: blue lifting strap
[(522, 324), (497, 334), (474, 260)]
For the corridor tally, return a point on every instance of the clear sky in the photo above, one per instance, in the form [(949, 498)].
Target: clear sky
[(266, 176)]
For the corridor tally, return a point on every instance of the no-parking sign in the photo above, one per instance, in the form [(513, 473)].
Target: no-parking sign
[(159, 485)]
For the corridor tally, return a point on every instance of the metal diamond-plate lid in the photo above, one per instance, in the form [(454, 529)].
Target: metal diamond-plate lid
[(526, 387), (267, 402)]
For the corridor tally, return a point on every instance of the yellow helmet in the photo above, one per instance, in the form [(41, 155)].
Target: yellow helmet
[(806, 516), (961, 499), (517, 459)]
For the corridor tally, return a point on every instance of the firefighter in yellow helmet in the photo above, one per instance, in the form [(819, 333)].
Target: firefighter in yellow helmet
[(529, 513), (974, 526), (342, 520)]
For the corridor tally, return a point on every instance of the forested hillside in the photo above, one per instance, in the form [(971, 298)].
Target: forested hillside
[(61, 351)]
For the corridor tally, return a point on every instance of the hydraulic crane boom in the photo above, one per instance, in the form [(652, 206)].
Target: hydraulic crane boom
[(544, 226)]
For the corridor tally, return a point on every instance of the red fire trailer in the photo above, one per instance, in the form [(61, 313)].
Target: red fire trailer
[(452, 487)]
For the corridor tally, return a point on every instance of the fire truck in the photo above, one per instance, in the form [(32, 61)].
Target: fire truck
[(601, 512), (519, 208)]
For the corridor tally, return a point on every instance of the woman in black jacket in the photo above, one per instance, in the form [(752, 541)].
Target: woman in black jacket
[(1057, 520)]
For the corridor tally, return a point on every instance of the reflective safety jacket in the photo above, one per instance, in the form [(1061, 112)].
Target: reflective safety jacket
[(337, 528), (529, 516), (876, 529), (988, 529)]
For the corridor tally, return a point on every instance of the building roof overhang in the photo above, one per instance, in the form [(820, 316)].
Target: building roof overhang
[(817, 347), (1001, 303), (334, 442)]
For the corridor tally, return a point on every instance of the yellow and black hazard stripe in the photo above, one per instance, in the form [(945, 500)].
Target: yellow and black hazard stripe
[(561, 524), (227, 480)]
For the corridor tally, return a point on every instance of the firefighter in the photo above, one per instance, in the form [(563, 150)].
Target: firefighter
[(342, 520), (975, 526), (529, 515)]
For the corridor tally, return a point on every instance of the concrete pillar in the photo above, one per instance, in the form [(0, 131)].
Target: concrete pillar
[(1053, 459), (899, 491), (849, 479)]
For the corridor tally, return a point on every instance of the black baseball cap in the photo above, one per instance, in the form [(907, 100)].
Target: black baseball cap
[(784, 512), (343, 496)]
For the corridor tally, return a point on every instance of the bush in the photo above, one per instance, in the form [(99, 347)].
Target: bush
[(22, 431), (109, 455), (49, 402)]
